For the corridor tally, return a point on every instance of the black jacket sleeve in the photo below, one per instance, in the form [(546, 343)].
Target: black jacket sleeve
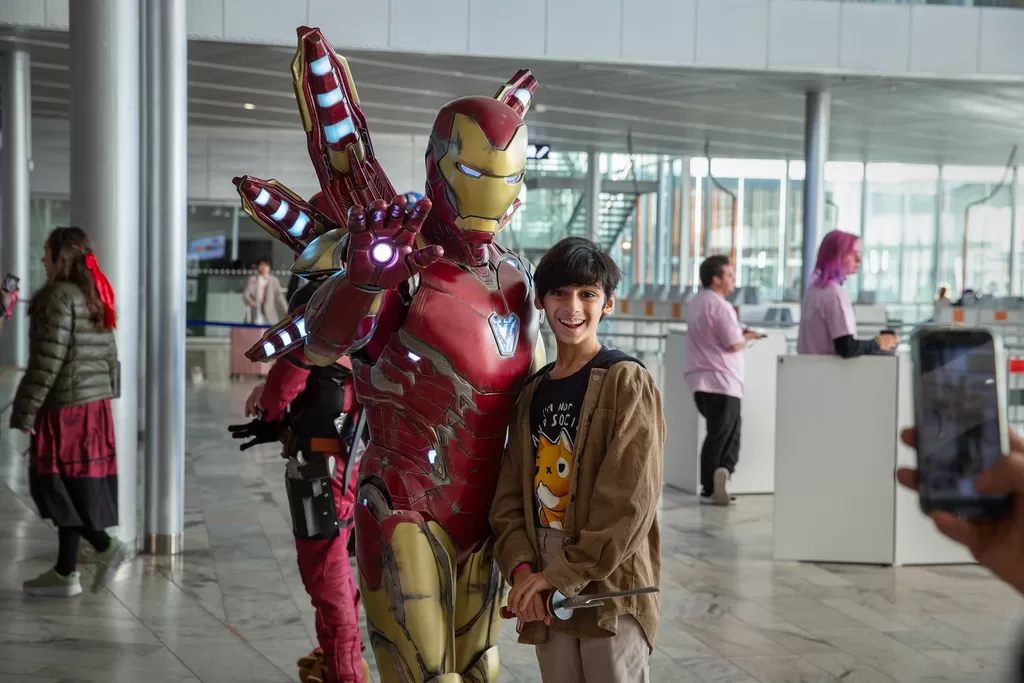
[(848, 347)]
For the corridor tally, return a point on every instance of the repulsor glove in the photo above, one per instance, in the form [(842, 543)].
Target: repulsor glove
[(260, 431)]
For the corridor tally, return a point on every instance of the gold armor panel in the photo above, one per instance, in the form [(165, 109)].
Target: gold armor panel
[(484, 181)]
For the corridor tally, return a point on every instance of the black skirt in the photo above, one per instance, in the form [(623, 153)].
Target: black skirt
[(89, 502)]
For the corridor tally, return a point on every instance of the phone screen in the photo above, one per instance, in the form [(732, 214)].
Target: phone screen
[(958, 422)]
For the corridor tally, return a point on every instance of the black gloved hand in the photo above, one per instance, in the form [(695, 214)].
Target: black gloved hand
[(260, 431)]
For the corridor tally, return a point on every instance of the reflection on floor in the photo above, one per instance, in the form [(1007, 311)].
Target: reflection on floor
[(233, 608)]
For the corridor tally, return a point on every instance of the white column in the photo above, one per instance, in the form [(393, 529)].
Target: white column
[(104, 59), (234, 234), (14, 170), (663, 227), (1014, 288), (685, 245), (167, 101), (593, 198), (816, 139)]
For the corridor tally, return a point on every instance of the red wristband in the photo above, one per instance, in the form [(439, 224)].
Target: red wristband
[(521, 565)]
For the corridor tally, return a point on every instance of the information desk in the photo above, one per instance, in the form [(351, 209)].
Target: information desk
[(755, 472), (837, 448)]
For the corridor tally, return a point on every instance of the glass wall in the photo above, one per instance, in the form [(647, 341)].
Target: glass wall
[(911, 219)]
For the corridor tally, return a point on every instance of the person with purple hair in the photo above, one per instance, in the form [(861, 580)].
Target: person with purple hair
[(827, 323)]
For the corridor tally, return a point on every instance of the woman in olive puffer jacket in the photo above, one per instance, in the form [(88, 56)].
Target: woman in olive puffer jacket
[(63, 402)]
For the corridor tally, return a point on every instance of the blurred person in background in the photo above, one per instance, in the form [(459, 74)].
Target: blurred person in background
[(827, 323), (942, 299), (263, 296), (7, 301), (63, 403)]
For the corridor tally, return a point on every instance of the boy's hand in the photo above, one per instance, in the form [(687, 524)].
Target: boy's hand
[(526, 600)]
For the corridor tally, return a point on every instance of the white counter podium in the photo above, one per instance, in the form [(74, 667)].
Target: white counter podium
[(837, 449), (755, 472)]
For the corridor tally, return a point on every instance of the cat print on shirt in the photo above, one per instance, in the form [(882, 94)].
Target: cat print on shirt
[(551, 479)]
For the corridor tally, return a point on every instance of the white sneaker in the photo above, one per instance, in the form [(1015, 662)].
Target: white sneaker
[(720, 495)]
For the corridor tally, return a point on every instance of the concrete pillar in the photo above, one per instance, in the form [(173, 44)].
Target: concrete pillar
[(167, 197), (14, 200), (104, 58), (818, 113), (593, 198)]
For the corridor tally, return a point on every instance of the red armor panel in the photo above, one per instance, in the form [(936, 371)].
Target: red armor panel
[(440, 396)]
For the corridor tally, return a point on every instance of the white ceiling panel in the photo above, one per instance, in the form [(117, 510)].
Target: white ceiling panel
[(578, 106)]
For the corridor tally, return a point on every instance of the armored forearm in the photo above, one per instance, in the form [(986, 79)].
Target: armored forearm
[(340, 318)]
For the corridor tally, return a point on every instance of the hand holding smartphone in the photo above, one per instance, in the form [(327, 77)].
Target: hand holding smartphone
[(959, 401)]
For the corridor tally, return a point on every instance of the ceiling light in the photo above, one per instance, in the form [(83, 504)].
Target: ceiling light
[(626, 245), (249, 105)]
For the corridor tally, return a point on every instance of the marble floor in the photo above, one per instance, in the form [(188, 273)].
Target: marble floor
[(232, 608)]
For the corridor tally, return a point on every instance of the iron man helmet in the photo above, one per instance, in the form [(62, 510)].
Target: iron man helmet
[(476, 159)]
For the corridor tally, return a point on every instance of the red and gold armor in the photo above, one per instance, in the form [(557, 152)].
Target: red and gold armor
[(440, 324)]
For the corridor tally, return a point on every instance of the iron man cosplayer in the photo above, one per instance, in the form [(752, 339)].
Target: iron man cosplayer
[(312, 411), (439, 324)]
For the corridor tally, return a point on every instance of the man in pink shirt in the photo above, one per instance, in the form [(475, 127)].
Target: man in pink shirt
[(714, 373)]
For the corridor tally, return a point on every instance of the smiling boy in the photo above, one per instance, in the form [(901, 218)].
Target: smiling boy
[(575, 509)]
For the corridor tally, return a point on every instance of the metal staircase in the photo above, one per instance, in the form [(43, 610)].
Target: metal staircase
[(616, 215)]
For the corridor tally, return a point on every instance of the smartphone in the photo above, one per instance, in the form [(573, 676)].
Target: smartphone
[(959, 399)]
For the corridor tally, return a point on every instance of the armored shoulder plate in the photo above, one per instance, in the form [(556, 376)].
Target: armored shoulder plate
[(323, 256)]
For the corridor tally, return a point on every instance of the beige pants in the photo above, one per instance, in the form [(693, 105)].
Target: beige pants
[(564, 659)]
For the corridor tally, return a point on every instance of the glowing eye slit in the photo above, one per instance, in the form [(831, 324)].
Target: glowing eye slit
[(466, 170), (513, 179)]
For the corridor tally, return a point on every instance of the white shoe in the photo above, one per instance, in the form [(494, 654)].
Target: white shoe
[(720, 494)]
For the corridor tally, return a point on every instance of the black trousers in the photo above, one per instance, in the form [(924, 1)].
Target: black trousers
[(722, 445)]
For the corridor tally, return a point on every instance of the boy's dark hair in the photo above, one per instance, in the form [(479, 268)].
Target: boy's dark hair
[(576, 262), (712, 268)]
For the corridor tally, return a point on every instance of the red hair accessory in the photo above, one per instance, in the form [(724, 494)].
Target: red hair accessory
[(105, 291)]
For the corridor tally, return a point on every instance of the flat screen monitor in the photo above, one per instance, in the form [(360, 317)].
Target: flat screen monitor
[(207, 248)]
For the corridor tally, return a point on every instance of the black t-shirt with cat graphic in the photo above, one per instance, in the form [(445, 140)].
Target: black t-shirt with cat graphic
[(554, 417)]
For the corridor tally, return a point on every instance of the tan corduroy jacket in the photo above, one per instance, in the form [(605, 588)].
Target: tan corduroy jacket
[(612, 542)]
